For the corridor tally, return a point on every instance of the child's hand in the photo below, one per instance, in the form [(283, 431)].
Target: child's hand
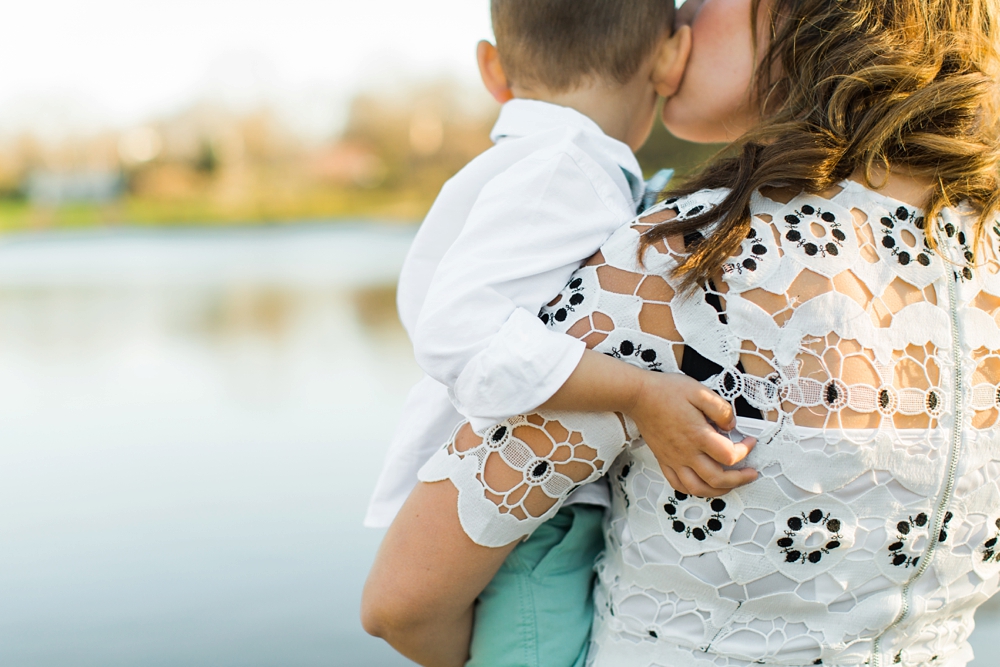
[(677, 417)]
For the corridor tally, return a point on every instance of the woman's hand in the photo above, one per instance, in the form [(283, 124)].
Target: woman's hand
[(420, 592)]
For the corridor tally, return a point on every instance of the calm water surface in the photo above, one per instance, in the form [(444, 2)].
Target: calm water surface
[(190, 426)]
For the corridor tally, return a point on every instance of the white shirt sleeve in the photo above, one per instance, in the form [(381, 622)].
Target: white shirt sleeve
[(530, 229)]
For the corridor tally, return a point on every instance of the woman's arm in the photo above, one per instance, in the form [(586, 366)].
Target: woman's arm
[(421, 590)]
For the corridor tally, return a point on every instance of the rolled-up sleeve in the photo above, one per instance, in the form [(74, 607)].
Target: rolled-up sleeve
[(531, 227)]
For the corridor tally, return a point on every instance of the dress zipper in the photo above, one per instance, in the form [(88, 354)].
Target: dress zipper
[(949, 487)]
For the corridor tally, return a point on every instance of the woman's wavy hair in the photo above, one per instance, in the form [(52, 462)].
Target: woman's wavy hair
[(849, 86)]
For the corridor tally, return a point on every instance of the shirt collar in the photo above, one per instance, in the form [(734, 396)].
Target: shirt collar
[(519, 118)]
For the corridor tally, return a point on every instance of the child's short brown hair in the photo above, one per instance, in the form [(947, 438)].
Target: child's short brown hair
[(558, 43)]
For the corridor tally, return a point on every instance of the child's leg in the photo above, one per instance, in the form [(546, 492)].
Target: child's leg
[(537, 611)]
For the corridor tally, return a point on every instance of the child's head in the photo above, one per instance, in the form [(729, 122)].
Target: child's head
[(557, 44), (604, 57), (825, 89)]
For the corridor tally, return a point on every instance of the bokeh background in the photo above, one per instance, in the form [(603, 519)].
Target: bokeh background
[(204, 206)]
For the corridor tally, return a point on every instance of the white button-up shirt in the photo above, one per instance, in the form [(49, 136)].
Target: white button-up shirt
[(500, 241)]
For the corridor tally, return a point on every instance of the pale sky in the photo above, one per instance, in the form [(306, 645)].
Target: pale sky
[(75, 65)]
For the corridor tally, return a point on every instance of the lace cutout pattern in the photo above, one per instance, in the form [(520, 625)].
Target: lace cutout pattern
[(874, 358)]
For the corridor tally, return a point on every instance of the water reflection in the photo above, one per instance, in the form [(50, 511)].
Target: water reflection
[(185, 459)]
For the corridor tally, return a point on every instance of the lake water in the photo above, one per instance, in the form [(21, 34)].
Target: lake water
[(190, 425)]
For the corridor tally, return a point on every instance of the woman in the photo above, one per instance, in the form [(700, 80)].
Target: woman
[(838, 281)]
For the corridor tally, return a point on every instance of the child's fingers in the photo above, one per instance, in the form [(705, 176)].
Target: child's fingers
[(673, 480), (696, 485), (715, 408), (719, 478), (722, 449), (744, 447)]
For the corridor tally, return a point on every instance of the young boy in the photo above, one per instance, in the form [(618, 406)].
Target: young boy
[(579, 80)]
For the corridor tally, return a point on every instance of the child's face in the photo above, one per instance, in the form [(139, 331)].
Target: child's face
[(712, 103)]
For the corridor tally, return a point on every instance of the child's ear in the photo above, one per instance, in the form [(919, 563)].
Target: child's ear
[(671, 61), (492, 73)]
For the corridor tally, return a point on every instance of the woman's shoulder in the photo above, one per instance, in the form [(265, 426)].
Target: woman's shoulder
[(682, 207), (624, 248)]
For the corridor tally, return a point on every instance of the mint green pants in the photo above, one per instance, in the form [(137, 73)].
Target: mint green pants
[(538, 609)]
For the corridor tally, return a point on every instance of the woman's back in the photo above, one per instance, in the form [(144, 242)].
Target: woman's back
[(873, 525)]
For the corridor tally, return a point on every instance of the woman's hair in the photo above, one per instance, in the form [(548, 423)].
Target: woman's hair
[(859, 85)]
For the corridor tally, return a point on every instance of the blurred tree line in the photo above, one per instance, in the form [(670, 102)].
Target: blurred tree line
[(209, 165)]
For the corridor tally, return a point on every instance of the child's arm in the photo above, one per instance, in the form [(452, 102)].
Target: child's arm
[(674, 413), (530, 228), (479, 335)]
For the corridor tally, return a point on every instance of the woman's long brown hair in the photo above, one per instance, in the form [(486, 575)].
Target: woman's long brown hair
[(864, 86)]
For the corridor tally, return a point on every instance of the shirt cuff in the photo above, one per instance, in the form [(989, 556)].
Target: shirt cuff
[(524, 365)]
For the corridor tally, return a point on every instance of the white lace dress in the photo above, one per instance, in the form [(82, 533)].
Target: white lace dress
[(873, 364)]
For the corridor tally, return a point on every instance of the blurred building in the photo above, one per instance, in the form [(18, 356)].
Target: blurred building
[(46, 188)]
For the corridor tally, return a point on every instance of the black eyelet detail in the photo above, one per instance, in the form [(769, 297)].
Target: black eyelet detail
[(829, 248), (629, 349), (576, 298), (757, 251), (902, 255), (713, 524), (622, 484), (932, 402), (990, 550), (835, 394), (904, 528), (795, 524), (943, 535), (497, 437)]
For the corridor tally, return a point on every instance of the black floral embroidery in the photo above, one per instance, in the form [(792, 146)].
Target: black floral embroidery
[(889, 242), (757, 252), (903, 529), (793, 233), (497, 437), (648, 355), (622, 484), (677, 502), (990, 550), (802, 554), (970, 258), (559, 315), (964, 273), (896, 554), (933, 402), (835, 394), (943, 535)]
